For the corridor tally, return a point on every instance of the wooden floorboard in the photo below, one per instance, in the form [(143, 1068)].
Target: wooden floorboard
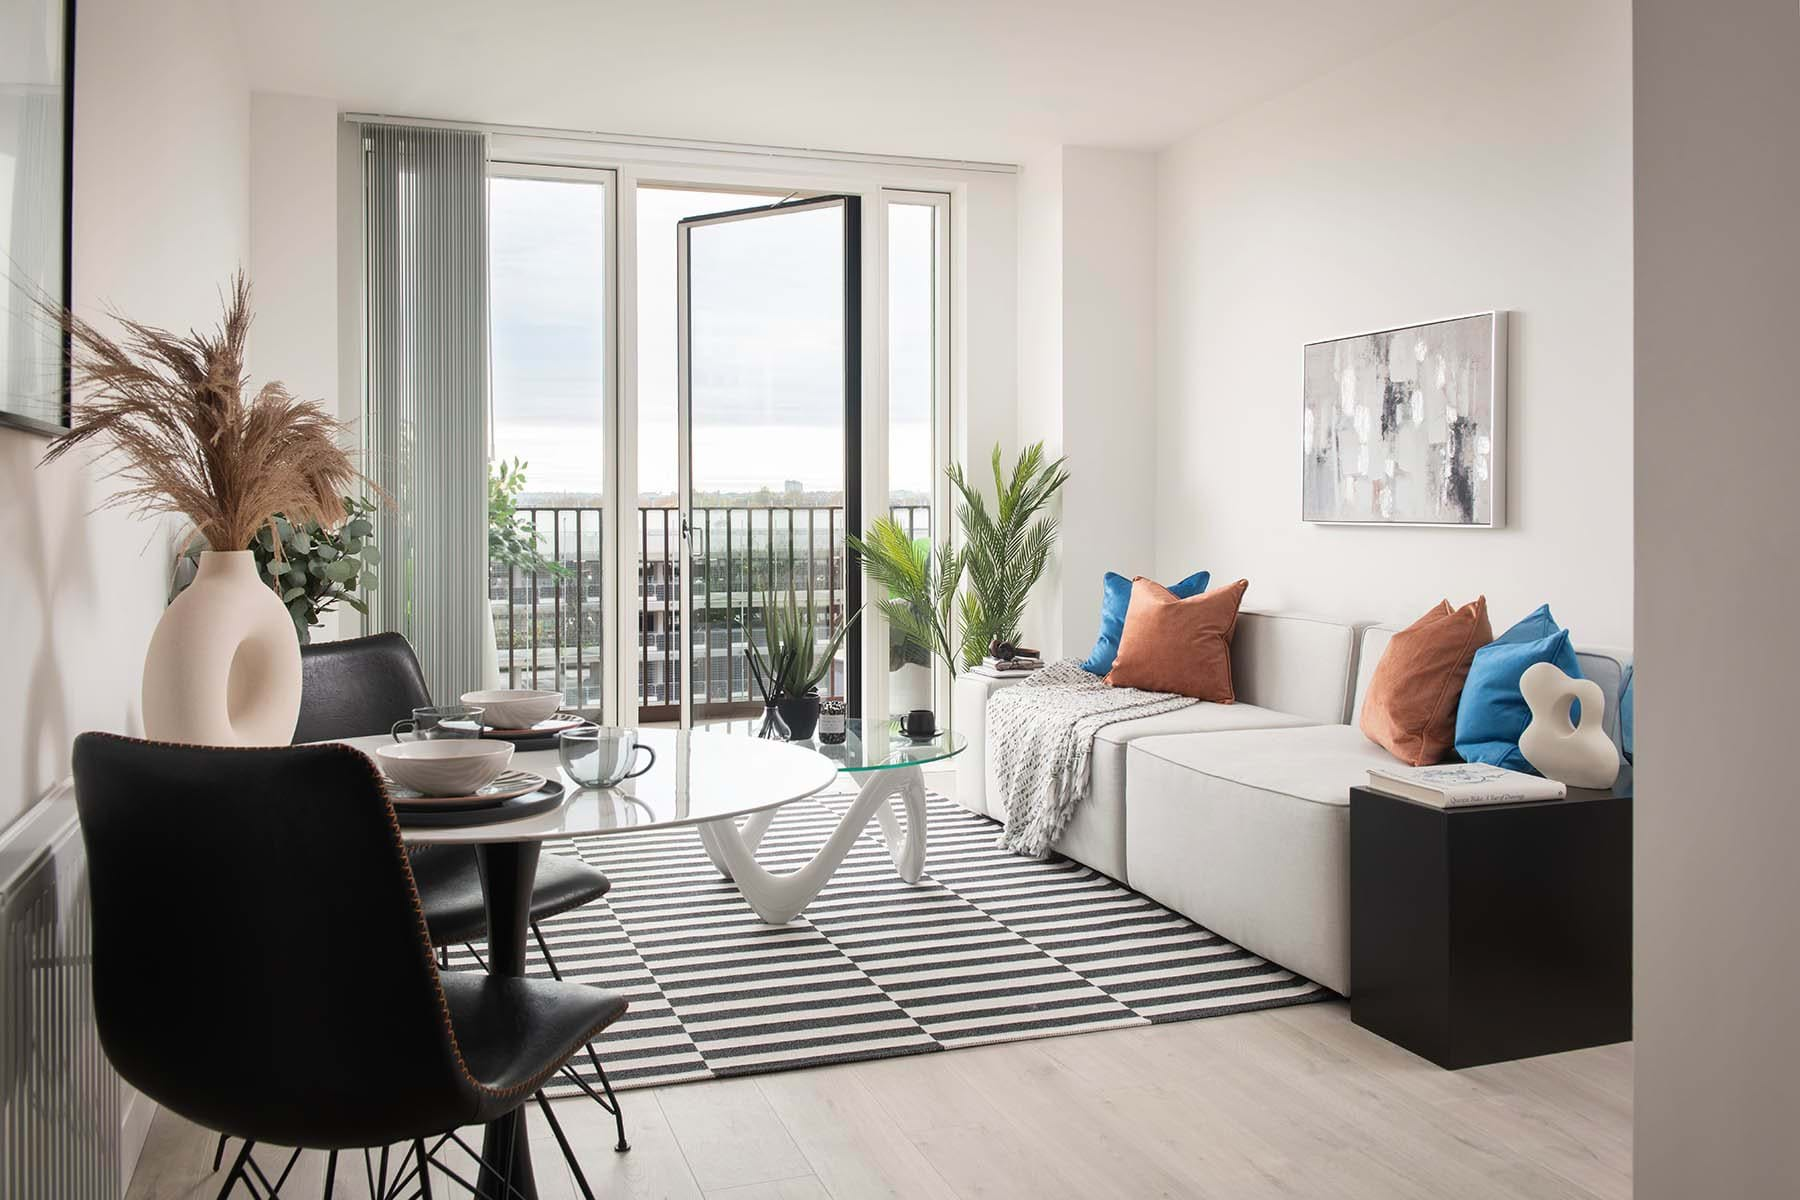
[(1292, 1102)]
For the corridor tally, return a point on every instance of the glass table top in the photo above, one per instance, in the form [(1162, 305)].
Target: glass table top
[(700, 775), (868, 746)]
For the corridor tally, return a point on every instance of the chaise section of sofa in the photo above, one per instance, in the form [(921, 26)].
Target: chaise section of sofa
[(1288, 670), (1248, 832)]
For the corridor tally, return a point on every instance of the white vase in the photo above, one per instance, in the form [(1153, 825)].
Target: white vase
[(1580, 756), (223, 667)]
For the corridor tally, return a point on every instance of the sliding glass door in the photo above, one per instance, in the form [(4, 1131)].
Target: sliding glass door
[(769, 327)]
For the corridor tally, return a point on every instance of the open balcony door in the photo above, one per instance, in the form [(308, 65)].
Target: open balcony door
[(770, 395)]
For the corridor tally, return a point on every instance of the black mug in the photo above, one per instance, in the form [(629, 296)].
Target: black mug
[(919, 723)]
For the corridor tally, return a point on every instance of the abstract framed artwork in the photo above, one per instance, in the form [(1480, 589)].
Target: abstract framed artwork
[(37, 59), (1407, 426)]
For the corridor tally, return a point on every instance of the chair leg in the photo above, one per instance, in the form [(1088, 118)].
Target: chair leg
[(330, 1174), (612, 1100), (219, 1152), (568, 1150), (237, 1172), (424, 1169)]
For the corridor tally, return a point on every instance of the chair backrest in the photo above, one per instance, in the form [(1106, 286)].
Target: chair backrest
[(1293, 663), (358, 687), (1605, 665), (260, 959)]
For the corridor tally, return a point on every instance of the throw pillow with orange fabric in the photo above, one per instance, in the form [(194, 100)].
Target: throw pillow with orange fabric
[(1410, 708), (1183, 646)]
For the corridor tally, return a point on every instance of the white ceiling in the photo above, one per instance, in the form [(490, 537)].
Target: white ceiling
[(987, 79)]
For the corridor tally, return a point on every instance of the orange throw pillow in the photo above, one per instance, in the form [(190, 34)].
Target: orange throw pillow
[(1410, 708), (1181, 646)]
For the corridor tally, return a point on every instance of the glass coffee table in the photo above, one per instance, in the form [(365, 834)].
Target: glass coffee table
[(888, 765)]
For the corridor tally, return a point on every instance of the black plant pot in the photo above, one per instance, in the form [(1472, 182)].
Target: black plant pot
[(801, 714)]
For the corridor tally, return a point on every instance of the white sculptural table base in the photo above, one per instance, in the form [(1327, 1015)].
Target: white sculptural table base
[(778, 899)]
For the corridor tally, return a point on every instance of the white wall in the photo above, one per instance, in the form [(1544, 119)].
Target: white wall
[(1040, 367), (1483, 163), (1718, 418), (294, 264), (1108, 378), (160, 212)]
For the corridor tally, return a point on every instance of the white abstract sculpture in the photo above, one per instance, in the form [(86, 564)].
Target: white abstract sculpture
[(1582, 755)]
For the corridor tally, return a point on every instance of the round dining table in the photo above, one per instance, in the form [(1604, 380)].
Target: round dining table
[(699, 778)]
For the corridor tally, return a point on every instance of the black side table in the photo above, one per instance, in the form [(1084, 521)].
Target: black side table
[(1490, 933)]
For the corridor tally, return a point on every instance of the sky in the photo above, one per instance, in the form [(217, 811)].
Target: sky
[(767, 329)]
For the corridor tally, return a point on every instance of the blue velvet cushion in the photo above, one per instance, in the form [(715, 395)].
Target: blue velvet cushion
[(1628, 714), (1113, 603), (1492, 715)]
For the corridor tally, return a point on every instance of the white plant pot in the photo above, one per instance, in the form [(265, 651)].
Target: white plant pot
[(909, 688), (223, 668), (491, 678)]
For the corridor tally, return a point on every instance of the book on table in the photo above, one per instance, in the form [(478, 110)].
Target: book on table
[(1461, 785)]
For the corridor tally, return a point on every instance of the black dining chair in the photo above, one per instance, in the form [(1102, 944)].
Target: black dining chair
[(362, 686), (261, 967)]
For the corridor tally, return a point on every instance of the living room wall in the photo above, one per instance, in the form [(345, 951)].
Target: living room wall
[(161, 151), (1481, 163)]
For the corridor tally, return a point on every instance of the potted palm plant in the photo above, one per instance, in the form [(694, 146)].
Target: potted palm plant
[(1006, 547), (789, 670)]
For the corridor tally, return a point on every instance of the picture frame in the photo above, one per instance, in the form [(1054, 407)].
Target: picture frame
[(37, 121), (1406, 426)]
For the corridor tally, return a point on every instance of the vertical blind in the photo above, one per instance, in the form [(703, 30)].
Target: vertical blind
[(425, 239)]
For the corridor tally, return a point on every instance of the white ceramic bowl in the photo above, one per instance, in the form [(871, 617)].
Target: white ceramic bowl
[(447, 767), (515, 708)]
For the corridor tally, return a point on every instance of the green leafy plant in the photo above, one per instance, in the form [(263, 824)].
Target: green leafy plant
[(311, 568), (921, 592), (794, 663), (513, 540), (1005, 547)]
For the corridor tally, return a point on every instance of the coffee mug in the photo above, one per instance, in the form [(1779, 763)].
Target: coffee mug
[(441, 721), (602, 755), (919, 723)]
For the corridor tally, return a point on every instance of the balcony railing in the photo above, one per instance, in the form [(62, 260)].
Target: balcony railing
[(549, 630)]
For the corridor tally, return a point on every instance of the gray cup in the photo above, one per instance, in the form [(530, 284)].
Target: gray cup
[(441, 721), (602, 755)]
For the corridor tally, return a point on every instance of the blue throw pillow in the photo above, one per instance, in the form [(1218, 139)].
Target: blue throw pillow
[(1113, 603), (1628, 714), (1492, 715)]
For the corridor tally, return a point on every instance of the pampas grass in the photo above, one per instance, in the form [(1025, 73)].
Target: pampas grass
[(173, 414)]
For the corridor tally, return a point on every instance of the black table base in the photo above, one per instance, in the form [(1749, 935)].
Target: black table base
[(508, 873)]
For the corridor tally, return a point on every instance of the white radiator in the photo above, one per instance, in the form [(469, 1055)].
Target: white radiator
[(60, 1135)]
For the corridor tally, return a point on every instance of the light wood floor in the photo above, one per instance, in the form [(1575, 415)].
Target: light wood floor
[(1292, 1103)]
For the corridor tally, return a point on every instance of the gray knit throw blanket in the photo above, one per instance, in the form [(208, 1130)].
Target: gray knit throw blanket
[(1040, 735)]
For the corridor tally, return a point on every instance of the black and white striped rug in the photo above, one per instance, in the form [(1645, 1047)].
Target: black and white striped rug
[(987, 947)]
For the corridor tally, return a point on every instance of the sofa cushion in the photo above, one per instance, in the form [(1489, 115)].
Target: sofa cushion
[(1248, 833), (1294, 663), (1095, 835), (1315, 763)]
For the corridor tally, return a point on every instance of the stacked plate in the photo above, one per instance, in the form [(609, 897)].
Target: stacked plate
[(461, 781), (526, 717)]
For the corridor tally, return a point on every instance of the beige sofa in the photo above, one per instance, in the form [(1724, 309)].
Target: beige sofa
[(1238, 815)]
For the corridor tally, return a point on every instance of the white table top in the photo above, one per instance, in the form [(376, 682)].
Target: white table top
[(698, 776)]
